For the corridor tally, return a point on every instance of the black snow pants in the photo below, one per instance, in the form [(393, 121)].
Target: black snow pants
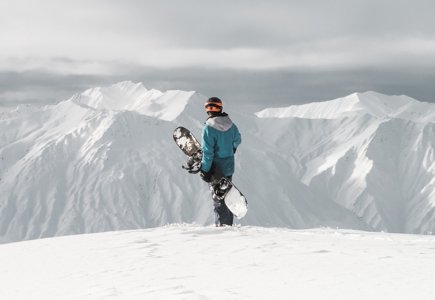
[(223, 216)]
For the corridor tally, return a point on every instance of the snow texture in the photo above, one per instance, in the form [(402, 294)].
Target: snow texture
[(195, 262), (105, 160)]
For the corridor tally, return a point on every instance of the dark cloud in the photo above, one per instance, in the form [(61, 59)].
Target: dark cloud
[(257, 88), (267, 53), (39, 87)]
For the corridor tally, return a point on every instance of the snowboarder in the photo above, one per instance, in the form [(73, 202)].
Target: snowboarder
[(220, 139)]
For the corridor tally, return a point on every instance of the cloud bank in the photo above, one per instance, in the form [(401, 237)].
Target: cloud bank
[(250, 50)]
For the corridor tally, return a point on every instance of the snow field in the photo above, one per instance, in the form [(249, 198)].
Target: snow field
[(195, 262)]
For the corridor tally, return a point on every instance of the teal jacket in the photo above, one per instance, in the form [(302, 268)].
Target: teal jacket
[(220, 139)]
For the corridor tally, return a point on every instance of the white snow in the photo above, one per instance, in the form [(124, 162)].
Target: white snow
[(128, 96), (372, 103), (195, 262), (105, 160)]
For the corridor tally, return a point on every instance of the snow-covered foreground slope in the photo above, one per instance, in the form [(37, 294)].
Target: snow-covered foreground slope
[(193, 262), (105, 160)]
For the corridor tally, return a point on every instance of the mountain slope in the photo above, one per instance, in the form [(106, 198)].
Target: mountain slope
[(105, 160), (372, 103), (376, 160), (71, 168), (228, 263)]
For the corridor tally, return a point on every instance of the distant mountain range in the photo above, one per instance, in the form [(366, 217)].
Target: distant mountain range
[(105, 160)]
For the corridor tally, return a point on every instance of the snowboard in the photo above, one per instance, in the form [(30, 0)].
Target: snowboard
[(221, 187)]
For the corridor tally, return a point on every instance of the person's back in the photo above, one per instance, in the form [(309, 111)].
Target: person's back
[(220, 139)]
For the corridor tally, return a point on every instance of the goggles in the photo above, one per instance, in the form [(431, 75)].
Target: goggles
[(213, 106)]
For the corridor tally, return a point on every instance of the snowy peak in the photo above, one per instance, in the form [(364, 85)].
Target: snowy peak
[(372, 103), (129, 96), (386, 106), (332, 109)]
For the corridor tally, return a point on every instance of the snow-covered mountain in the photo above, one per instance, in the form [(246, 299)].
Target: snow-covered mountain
[(372, 154), (105, 160), (371, 103)]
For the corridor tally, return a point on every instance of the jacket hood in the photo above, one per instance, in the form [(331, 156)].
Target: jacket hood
[(221, 122)]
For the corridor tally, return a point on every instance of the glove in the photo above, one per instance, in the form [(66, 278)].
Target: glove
[(206, 176), (234, 150)]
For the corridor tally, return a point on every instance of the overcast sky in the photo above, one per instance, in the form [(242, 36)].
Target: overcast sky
[(272, 53)]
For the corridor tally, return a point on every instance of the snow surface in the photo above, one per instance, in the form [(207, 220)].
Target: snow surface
[(128, 96), (105, 160), (372, 103), (195, 262)]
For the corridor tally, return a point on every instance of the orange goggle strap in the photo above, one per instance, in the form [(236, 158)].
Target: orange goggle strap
[(213, 106)]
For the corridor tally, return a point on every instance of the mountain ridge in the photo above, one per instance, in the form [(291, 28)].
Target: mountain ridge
[(373, 103), (72, 168), (129, 96)]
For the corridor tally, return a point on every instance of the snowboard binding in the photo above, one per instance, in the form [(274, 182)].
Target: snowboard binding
[(220, 189)]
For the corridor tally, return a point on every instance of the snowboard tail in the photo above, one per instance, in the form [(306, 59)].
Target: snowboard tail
[(225, 190)]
